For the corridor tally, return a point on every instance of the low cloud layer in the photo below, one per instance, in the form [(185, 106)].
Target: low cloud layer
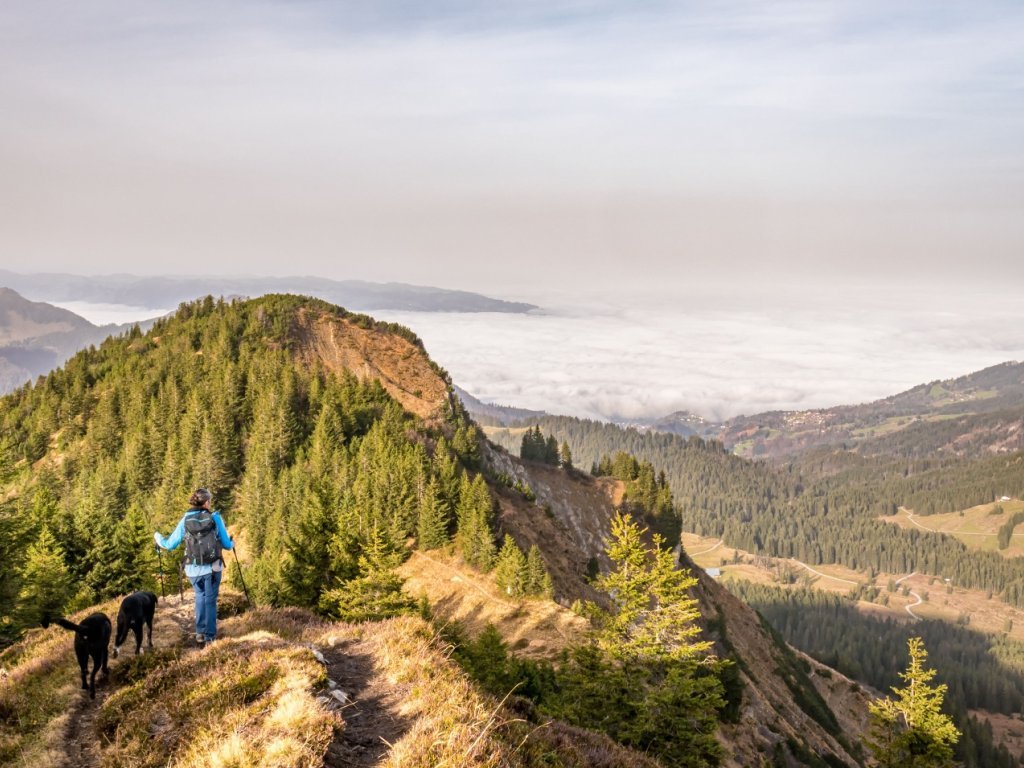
[(605, 361), (716, 352)]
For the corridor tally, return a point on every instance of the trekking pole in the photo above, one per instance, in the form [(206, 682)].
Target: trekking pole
[(160, 560), (181, 593), (241, 578)]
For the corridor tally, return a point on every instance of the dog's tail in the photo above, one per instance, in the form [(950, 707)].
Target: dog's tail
[(62, 622)]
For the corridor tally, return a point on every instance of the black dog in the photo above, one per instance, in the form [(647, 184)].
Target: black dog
[(136, 609), (92, 637)]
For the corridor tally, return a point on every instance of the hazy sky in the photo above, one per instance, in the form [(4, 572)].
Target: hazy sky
[(500, 145)]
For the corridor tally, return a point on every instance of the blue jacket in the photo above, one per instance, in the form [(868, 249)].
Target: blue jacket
[(174, 541)]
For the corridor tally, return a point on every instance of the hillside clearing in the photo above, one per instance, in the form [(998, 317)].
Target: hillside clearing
[(977, 527), (938, 600)]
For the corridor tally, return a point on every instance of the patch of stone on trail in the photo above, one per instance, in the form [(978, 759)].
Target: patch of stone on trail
[(340, 696)]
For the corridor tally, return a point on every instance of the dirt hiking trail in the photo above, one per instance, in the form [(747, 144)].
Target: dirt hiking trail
[(372, 719), (172, 627)]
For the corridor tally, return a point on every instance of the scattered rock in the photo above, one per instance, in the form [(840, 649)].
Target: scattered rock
[(340, 696)]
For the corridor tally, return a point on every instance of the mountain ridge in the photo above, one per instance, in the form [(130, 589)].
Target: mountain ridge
[(170, 290), (36, 337)]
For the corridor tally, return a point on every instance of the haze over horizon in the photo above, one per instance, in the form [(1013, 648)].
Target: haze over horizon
[(722, 207), (474, 145)]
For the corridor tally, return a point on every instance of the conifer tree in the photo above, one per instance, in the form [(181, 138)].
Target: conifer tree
[(432, 525), (510, 569), (487, 659), (7, 462), (550, 450), (911, 731), (45, 581), (309, 566), (475, 538), (643, 678), (465, 443), (446, 471), (12, 542), (538, 580), (653, 615), (565, 456), (526, 448), (376, 593)]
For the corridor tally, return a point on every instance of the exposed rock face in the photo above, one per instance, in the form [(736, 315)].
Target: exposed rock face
[(401, 366)]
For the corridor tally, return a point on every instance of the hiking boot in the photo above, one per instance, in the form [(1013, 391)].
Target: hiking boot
[(200, 639)]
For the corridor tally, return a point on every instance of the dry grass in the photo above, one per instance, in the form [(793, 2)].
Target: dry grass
[(251, 700), (39, 686), (451, 723), (245, 702), (533, 628), (454, 724)]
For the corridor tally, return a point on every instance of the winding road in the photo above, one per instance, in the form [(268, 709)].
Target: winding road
[(825, 575), (705, 551), (910, 517), (908, 608)]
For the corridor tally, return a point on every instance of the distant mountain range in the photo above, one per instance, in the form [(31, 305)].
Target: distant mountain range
[(36, 337), (981, 412), (495, 415), (166, 292)]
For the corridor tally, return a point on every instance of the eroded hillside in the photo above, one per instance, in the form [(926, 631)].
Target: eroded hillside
[(373, 352), (781, 713)]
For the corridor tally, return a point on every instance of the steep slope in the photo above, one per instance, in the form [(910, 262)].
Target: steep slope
[(373, 351), (782, 716)]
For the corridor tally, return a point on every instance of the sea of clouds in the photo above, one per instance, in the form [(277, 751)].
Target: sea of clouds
[(718, 354)]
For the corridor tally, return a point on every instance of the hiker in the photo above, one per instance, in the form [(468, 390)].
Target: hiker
[(204, 534)]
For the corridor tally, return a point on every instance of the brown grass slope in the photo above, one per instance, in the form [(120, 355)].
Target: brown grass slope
[(781, 712), (281, 689)]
